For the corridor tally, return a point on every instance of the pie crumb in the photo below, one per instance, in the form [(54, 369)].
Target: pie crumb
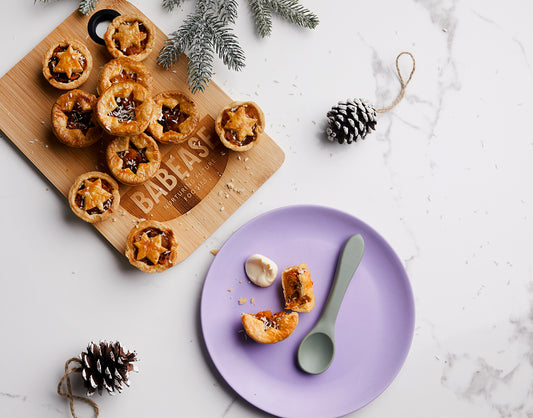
[(242, 301), (215, 251)]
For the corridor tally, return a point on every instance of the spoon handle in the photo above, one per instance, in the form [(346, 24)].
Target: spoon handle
[(349, 259)]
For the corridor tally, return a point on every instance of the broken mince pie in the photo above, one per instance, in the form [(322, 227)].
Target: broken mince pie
[(151, 247), (268, 328), (72, 119), (125, 109), (130, 36), (239, 125), (124, 69), (133, 159), (298, 288), (175, 117), (67, 64), (94, 196)]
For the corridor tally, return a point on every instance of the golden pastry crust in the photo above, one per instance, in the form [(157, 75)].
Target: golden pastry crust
[(124, 69), (175, 118), (67, 64), (152, 247), (133, 159), (94, 196), (125, 109), (73, 119), (239, 125), (268, 328), (130, 36), (298, 288)]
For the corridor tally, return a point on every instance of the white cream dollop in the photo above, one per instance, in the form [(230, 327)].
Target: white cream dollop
[(261, 270)]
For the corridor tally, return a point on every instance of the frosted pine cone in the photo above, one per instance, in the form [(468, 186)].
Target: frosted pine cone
[(350, 120), (106, 366)]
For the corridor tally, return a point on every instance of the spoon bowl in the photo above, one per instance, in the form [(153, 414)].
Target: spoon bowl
[(316, 352), (317, 349)]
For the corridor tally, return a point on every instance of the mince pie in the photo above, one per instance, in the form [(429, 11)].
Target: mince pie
[(67, 64), (268, 328), (152, 247), (175, 117), (130, 36), (124, 69), (298, 288), (94, 196), (125, 109), (133, 159), (239, 124), (72, 119)]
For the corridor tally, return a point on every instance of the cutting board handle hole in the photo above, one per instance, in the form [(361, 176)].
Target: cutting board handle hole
[(98, 24)]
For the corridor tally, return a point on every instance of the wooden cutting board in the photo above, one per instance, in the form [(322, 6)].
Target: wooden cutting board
[(200, 183)]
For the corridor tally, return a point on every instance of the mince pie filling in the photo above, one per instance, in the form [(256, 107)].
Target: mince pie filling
[(171, 118), (77, 118), (124, 76), (125, 110), (133, 157)]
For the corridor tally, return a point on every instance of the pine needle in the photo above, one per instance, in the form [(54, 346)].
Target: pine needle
[(87, 6), (293, 12), (171, 4), (262, 16)]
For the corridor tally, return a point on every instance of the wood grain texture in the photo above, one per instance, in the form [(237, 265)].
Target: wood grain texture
[(200, 183)]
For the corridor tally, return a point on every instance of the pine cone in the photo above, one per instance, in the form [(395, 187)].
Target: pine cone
[(106, 366), (350, 120)]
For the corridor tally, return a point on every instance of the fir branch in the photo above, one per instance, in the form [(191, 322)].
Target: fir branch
[(87, 6), (226, 44), (294, 12), (262, 17), (225, 10), (171, 4), (200, 67)]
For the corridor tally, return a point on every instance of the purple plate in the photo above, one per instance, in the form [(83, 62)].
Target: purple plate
[(374, 327)]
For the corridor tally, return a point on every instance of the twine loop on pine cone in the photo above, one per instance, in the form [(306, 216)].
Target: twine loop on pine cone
[(68, 394), (402, 82)]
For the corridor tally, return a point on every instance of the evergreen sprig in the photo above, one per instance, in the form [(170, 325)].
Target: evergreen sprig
[(290, 10), (203, 33), (206, 32), (87, 6)]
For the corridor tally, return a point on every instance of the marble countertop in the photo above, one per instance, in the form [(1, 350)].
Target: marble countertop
[(446, 179)]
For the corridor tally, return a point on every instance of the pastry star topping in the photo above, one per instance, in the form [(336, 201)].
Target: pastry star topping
[(150, 248), (129, 35), (69, 62), (241, 123), (94, 195)]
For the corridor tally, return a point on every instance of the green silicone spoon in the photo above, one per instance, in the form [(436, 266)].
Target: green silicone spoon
[(317, 349)]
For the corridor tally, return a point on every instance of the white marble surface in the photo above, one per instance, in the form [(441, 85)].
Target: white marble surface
[(446, 179)]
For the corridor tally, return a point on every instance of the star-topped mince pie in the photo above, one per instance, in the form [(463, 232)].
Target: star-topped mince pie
[(125, 109), (151, 247), (94, 196), (124, 69), (72, 119), (175, 117), (239, 125), (130, 36), (67, 64), (133, 159)]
